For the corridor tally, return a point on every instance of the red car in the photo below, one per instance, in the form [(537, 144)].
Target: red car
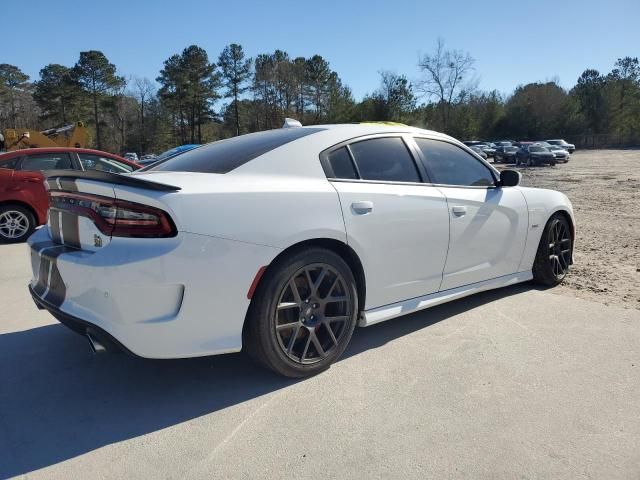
[(23, 198)]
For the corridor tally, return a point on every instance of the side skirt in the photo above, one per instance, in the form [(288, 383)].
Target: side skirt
[(387, 312)]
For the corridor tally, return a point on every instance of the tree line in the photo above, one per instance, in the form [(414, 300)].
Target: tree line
[(197, 99)]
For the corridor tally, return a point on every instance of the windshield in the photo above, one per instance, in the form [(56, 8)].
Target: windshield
[(225, 155), (538, 149), (510, 149)]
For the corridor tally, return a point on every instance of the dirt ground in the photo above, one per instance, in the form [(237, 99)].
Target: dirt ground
[(604, 188)]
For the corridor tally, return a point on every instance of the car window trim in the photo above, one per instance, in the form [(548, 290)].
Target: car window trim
[(494, 173), (406, 139)]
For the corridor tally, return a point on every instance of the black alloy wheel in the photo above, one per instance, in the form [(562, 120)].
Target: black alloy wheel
[(554, 252), (303, 314)]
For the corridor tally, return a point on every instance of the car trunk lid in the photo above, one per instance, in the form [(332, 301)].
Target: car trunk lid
[(85, 211)]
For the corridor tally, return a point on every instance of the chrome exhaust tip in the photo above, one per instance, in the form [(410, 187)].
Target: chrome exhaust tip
[(96, 346)]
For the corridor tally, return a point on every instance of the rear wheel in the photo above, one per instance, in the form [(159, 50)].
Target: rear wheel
[(16, 223), (554, 252), (303, 315)]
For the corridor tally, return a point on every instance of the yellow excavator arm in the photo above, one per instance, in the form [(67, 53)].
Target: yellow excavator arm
[(73, 135)]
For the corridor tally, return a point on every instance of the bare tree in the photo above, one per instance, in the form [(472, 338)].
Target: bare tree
[(445, 77), (144, 91)]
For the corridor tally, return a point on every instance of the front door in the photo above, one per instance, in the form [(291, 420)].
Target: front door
[(488, 224)]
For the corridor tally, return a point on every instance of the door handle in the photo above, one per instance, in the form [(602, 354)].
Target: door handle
[(459, 210), (32, 179), (362, 208)]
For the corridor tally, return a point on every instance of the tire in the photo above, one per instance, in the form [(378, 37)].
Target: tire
[(554, 253), (305, 343), (17, 223)]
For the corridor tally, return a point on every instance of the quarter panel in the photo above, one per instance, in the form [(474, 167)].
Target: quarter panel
[(542, 203)]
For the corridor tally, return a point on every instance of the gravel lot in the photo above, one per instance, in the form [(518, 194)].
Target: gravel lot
[(604, 187)]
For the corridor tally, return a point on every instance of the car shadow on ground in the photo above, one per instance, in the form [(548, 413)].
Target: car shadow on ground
[(57, 401)]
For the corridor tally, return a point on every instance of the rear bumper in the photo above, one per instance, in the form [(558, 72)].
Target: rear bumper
[(78, 325), (178, 297)]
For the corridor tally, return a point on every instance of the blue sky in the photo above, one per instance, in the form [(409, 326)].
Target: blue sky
[(513, 42)]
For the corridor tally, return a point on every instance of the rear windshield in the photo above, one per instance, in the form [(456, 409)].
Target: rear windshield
[(225, 155)]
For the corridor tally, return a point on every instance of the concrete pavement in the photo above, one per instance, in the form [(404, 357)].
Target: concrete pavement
[(511, 383)]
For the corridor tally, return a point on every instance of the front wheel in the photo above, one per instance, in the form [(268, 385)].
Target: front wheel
[(554, 252), (16, 223), (303, 314)]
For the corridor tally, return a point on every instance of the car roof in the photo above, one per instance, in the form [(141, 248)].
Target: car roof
[(299, 157), (30, 151)]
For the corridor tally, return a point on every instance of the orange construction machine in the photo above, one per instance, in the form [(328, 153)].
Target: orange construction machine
[(73, 135)]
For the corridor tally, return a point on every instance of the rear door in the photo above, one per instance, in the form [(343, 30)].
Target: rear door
[(397, 224), (488, 224)]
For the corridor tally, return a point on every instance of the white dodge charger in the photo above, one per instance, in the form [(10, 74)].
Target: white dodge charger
[(280, 242)]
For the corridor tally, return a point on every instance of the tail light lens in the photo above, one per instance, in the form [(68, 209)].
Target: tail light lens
[(114, 217)]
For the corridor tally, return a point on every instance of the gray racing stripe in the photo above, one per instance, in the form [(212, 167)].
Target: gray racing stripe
[(70, 229), (54, 225), (68, 185)]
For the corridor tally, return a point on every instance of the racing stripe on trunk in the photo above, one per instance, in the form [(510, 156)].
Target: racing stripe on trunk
[(70, 229), (67, 184), (64, 226), (55, 225)]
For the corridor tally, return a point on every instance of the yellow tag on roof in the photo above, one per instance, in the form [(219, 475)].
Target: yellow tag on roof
[(391, 124)]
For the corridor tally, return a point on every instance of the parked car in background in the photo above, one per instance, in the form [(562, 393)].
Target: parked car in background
[(503, 143), (132, 156), (23, 198), (278, 242), (170, 154), (505, 154), (532, 154), (560, 153), (147, 158), (570, 147), (479, 151), (487, 148)]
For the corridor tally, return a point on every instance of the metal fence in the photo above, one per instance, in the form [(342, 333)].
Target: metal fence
[(611, 140)]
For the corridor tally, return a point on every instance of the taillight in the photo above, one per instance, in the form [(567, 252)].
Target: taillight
[(114, 217)]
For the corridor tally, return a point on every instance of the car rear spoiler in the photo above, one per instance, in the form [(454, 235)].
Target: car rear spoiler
[(107, 177)]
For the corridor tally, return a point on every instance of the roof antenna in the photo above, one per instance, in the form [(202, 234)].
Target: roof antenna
[(291, 123)]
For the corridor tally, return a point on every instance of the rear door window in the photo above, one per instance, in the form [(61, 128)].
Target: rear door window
[(103, 164), (341, 165), (47, 161), (9, 164), (384, 159), (449, 164), (226, 155)]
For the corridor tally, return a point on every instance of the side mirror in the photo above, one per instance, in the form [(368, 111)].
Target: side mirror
[(510, 178)]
